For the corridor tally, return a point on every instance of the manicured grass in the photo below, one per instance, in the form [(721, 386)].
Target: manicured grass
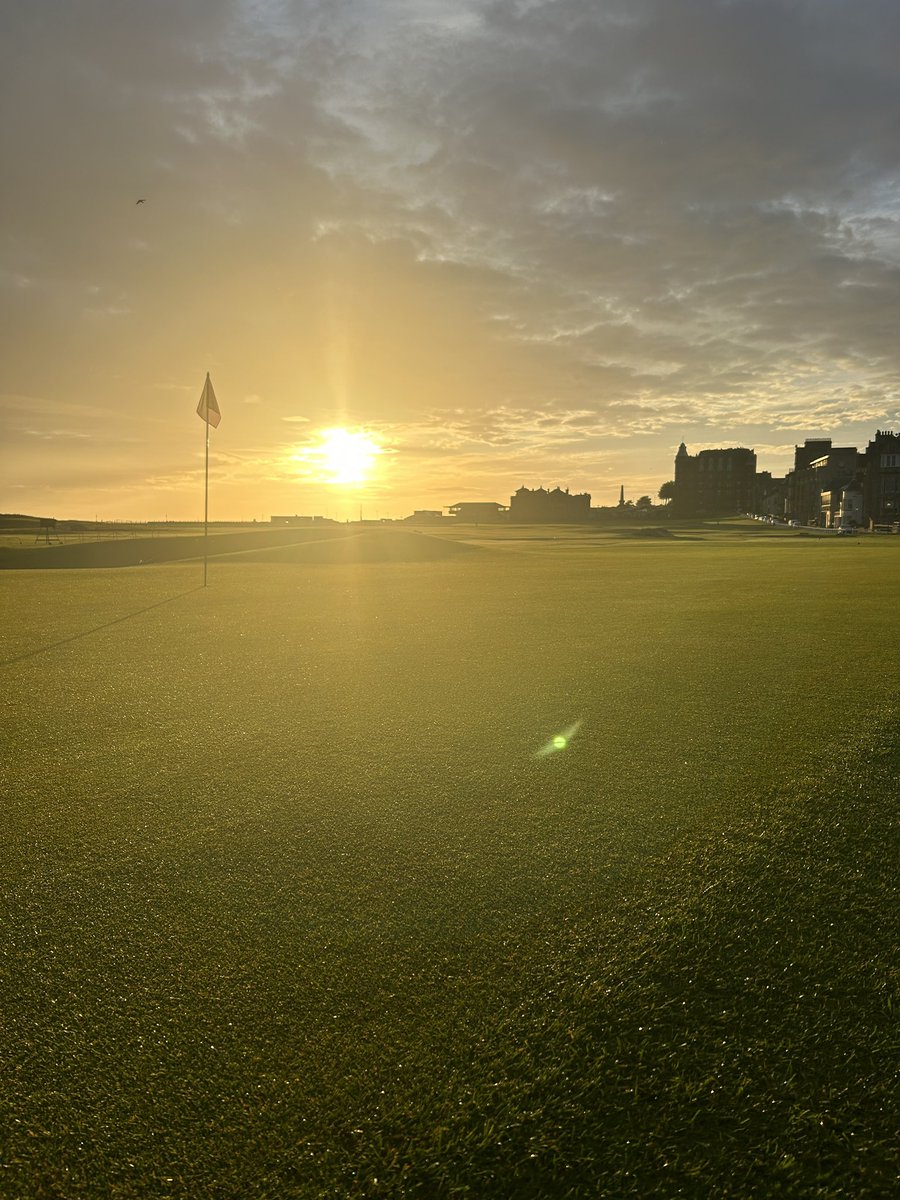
[(31, 538), (294, 909)]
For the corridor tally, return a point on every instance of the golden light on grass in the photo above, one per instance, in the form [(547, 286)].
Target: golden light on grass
[(341, 456)]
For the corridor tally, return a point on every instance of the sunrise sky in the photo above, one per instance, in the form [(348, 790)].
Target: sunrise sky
[(513, 241)]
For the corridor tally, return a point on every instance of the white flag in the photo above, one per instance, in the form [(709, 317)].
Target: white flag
[(208, 408)]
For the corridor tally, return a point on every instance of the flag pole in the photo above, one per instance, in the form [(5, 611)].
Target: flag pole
[(206, 505), (208, 411)]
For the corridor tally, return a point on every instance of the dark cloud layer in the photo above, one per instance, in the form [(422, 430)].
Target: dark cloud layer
[(570, 223)]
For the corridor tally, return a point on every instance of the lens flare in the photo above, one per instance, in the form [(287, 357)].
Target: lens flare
[(559, 741)]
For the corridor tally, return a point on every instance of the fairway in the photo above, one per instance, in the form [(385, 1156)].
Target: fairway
[(296, 907)]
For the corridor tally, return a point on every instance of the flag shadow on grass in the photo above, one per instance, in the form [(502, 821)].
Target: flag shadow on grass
[(8, 662)]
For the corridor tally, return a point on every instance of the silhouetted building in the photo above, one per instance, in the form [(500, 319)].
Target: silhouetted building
[(820, 468), (714, 481), (881, 488), (531, 507), (426, 516), (296, 520), (769, 495), (476, 512), (811, 449)]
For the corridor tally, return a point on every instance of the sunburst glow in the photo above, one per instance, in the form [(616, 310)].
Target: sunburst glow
[(343, 456)]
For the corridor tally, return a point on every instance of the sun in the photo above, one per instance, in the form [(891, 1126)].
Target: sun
[(346, 457)]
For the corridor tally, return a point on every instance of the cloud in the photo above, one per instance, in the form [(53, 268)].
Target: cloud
[(514, 231)]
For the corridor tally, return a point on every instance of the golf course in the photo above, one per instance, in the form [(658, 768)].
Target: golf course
[(537, 863)]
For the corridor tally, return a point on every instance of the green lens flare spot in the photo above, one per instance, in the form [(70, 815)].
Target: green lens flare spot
[(559, 741)]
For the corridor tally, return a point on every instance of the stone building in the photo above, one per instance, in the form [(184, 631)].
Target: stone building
[(844, 508), (820, 468), (532, 507), (769, 495), (714, 482), (881, 486)]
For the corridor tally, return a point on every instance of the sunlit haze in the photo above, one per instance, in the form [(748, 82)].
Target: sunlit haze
[(506, 242), (338, 456)]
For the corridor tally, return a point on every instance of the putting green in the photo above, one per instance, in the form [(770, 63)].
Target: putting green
[(297, 908)]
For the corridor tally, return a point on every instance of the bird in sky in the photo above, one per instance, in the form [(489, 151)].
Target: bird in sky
[(140, 201)]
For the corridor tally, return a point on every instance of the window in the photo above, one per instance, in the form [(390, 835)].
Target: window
[(890, 460)]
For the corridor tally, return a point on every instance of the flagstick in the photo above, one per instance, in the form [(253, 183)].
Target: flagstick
[(206, 409), (206, 504)]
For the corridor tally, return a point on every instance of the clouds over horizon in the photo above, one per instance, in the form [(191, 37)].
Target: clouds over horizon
[(670, 218)]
